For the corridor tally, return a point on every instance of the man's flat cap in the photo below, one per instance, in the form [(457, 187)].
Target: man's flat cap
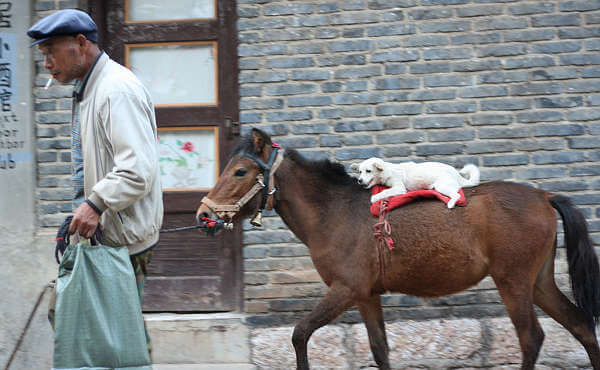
[(62, 23)]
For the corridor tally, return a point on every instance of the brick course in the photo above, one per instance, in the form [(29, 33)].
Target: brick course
[(509, 85)]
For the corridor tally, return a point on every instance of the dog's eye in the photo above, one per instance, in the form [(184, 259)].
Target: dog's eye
[(368, 171), (240, 172)]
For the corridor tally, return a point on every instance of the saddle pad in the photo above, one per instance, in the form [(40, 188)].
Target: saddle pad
[(400, 200)]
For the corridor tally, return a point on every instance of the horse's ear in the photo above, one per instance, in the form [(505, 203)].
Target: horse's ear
[(260, 140), (354, 166)]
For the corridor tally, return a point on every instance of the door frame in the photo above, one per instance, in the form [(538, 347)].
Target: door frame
[(222, 29)]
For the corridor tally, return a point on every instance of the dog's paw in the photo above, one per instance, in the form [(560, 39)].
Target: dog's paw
[(375, 198)]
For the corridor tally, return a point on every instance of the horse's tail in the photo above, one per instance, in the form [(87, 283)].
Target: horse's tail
[(469, 175), (583, 263)]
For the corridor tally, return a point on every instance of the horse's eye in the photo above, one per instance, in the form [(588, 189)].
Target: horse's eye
[(240, 172)]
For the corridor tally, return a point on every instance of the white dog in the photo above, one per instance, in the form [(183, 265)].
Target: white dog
[(401, 177)]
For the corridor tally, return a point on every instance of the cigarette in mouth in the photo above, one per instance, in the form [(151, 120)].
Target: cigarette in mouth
[(50, 80)]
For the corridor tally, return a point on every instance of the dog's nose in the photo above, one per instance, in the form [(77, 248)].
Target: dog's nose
[(359, 180)]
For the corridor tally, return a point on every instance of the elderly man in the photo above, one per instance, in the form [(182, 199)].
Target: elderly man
[(114, 135)]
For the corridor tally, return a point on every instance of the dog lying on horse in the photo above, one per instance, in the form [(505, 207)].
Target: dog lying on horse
[(402, 177)]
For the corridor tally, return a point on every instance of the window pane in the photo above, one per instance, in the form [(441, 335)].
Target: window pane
[(151, 10), (177, 73), (187, 158)]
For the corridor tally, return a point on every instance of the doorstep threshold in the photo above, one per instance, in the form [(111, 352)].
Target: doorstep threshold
[(165, 316)]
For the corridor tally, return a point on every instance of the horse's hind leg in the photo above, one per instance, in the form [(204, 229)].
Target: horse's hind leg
[(337, 300), (518, 299), (372, 315), (549, 298)]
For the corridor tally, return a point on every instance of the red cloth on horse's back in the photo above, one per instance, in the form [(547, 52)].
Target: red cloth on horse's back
[(400, 200)]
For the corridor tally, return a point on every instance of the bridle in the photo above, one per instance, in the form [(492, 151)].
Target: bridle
[(265, 181)]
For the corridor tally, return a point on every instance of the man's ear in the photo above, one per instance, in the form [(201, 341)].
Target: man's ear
[(260, 140), (378, 164), (354, 166), (81, 40)]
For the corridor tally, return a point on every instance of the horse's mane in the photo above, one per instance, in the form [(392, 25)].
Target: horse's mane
[(333, 172)]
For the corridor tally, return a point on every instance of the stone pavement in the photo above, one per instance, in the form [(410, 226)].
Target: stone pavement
[(434, 344)]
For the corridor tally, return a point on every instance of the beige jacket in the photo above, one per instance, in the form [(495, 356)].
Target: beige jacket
[(120, 156)]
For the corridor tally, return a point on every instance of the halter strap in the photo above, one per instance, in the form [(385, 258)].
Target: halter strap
[(268, 169), (230, 210), (271, 182), (268, 187)]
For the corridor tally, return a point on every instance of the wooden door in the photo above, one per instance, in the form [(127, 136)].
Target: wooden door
[(185, 53)]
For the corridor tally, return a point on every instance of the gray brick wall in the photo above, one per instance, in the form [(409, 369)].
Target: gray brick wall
[(513, 86), (53, 131), (509, 85)]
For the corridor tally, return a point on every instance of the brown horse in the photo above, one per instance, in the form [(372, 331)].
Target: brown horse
[(507, 230)]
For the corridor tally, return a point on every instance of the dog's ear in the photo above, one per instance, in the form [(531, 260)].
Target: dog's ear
[(378, 164), (354, 166)]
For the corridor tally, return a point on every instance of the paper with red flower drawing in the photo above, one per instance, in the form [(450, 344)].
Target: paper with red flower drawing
[(187, 159)]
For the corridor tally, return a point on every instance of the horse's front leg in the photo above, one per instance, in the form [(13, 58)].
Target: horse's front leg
[(372, 314), (338, 300)]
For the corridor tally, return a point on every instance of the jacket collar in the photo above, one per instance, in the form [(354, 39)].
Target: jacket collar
[(80, 85)]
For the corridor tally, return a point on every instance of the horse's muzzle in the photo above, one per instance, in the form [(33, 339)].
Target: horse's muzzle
[(203, 211)]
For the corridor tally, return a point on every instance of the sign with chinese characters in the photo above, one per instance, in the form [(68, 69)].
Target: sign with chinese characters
[(11, 142), (17, 164), (5, 14), (8, 62)]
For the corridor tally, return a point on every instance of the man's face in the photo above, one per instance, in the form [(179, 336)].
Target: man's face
[(63, 58)]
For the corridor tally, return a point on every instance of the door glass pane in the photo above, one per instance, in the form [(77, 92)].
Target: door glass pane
[(187, 158), (176, 73), (172, 10)]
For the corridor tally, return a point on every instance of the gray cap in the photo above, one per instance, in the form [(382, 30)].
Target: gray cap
[(62, 23)]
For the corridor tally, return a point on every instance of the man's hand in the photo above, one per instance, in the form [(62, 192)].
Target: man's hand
[(85, 221)]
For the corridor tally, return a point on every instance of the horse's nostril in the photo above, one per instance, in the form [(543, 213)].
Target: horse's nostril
[(200, 216)]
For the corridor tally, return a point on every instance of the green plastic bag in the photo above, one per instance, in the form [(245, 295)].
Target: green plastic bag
[(98, 320)]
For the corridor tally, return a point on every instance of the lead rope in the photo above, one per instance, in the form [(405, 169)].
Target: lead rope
[(210, 226), (382, 230)]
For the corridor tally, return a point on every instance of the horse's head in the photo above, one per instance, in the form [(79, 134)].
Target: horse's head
[(246, 184)]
